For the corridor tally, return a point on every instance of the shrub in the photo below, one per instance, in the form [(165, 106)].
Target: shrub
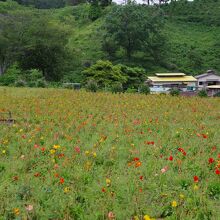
[(92, 86), (117, 88), (34, 74), (131, 90), (144, 89), (202, 93), (41, 83), (11, 75), (217, 94), (20, 83), (174, 92)]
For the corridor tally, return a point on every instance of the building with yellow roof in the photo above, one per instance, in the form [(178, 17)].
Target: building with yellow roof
[(166, 81)]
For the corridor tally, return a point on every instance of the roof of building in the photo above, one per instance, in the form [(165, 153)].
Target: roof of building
[(170, 74), (209, 72), (172, 79), (213, 87)]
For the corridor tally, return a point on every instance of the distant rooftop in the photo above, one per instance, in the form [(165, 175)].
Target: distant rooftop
[(170, 74), (172, 79), (208, 73)]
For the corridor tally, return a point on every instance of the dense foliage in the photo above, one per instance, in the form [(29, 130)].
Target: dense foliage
[(62, 43), (135, 28)]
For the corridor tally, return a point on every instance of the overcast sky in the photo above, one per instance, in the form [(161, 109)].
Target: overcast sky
[(138, 1)]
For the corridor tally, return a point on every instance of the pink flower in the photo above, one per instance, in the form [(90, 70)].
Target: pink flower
[(56, 166), (77, 149), (29, 208), (111, 215), (163, 170)]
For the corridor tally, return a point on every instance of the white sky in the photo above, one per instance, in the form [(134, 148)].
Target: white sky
[(138, 1)]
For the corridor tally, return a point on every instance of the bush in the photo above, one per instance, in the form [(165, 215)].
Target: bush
[(33, 75), (41, 83), (20, 83), (217, 94), (117, 87), (144, 89), (92, 86), (202, 93), (131, 90), (174, 92), (11, 75)]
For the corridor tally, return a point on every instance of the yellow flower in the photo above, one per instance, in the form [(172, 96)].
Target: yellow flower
[(147, 217), (86, 152), (88, 165), (41, 138), (94, 154), (182, 196), (52, 151), (16, 211), (56, 146), (136, 218), (20, 130), (174, 204), (195, 187), (108, 182), (4, 151), (66, 189)]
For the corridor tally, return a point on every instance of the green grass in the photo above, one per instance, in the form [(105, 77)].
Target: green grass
[(111, 154)]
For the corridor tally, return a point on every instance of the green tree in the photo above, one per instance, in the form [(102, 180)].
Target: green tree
[(104, 73), (135, 76), (31, 38), (135, 28)]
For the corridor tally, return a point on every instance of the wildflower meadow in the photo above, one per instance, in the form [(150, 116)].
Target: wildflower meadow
[(93, 156)]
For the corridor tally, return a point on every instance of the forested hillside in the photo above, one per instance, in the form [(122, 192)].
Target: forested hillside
[(60, 39)]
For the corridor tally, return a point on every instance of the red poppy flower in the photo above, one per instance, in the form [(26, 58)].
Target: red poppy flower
[(182, 151), (141, 177), (61, 180), (196, 179), (136, 159), (170, 158), (43, 149), (204, 136), (103, 189), (211, 160), (217, 171)]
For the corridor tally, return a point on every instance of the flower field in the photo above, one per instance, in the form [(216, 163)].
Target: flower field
[(78, 155)]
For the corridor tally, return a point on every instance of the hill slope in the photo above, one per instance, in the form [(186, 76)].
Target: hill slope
[(192, 31)]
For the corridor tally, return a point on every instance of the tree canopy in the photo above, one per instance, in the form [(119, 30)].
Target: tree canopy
[(135, 28)]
